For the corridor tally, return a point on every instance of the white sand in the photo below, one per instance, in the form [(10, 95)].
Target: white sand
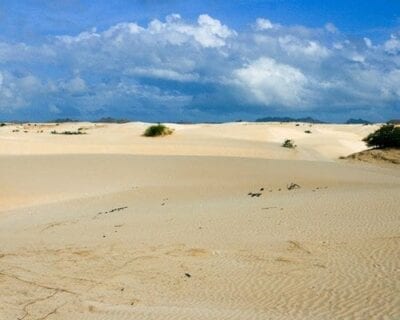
[(328, 250)]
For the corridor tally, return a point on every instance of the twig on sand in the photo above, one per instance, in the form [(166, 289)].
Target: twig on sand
[(292, 186)]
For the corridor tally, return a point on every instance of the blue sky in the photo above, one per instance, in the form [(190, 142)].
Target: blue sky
[(206, 60)]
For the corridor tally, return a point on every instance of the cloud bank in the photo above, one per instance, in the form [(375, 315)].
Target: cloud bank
[(181, 70)]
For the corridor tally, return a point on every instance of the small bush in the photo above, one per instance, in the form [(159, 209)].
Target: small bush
[(157, 130), (307, 131), (2, 124), (387, 136), (289, 144)]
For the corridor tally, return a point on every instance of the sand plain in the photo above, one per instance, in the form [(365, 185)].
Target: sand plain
[(201, 224)]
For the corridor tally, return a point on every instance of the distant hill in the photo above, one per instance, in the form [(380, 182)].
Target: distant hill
[(289, 119), (358, 121), (394, 121), (63, 120), (111, 120)]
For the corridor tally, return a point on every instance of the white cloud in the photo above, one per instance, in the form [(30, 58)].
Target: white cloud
[(330, 27), (211, 32), (391, 85), (54, 109), (80, 38), (208, 32), (22, 53), (338, 45), (75, 85), (295, 46), (392, 45), (368, 42), (15, 92), (356, 57), (162, 74), (263, 24), (124, 27), (271, 82)]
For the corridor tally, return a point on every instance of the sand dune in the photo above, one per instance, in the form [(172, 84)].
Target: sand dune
[(250, 140), (198, 225)]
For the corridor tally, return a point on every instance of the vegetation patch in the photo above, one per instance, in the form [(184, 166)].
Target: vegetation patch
[(157, 130), (387, 136), (288, 143), (308, 131), (68, 132)]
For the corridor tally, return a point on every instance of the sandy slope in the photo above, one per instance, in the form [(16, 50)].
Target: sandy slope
[(112, 236), (387, 156)]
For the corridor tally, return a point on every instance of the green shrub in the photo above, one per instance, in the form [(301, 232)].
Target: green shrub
[(289, 144), (307, 131), (157, 130), (2, 124), (387, 136)]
